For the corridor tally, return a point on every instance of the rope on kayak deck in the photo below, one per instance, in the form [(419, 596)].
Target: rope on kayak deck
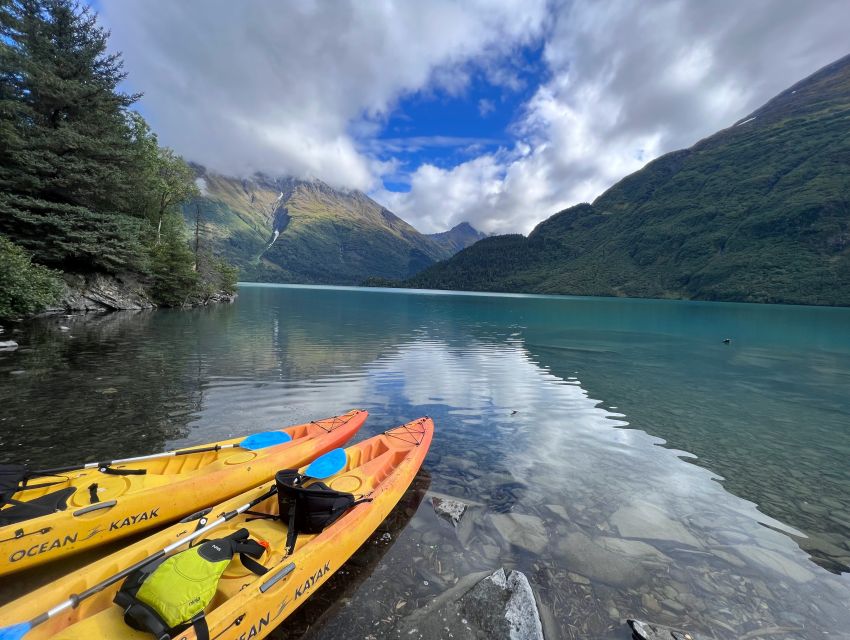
[(408, 435), (336, 421)]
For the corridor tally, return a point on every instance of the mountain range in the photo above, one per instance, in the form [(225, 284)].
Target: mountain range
[(305, 231), (758, 212)]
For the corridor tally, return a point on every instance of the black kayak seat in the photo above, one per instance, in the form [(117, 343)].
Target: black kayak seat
[(47, 504)]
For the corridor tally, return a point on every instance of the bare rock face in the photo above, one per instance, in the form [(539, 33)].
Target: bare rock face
[(100, 292)]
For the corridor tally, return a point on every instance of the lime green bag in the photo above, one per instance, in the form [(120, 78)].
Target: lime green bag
[(168, 596)]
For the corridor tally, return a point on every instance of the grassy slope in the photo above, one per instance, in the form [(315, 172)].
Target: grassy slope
[(330, 237), (758, 212)]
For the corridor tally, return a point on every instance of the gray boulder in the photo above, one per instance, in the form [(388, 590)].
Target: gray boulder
[(499, 606), (449, 510)]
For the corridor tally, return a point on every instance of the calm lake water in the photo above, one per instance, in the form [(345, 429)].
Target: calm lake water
[(616, 451)]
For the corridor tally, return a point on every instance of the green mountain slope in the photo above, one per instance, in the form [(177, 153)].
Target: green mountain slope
[(458, 237), (758, 212), (287, 230)]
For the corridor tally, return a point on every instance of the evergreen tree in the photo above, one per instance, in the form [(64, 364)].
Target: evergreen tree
[(67, 156), (84, 184)]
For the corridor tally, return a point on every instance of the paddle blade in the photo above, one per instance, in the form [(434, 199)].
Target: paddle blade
[(15, 632), (327, 465), (263, 440)]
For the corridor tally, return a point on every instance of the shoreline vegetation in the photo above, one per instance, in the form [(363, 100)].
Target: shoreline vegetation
[(90, 203)]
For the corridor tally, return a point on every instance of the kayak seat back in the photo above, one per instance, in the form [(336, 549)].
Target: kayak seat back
[(49, 503), (309, 508)]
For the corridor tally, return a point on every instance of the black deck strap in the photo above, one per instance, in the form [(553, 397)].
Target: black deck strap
[(259, 515), (93, 493), (41, 485), (252, 565), (202, 629), (248, 549), (291, 531), (105, 468)]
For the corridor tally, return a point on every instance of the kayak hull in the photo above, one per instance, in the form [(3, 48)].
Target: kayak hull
[(246, 605), (171, 488)]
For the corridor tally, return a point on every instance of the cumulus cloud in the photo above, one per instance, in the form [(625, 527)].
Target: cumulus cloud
[(304, 88), (628, 82), (247, 86)]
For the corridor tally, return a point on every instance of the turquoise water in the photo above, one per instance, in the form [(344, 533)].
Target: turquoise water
[(616, 451)]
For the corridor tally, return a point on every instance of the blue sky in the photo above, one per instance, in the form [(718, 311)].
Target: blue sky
[(495, 112), (445, 128)]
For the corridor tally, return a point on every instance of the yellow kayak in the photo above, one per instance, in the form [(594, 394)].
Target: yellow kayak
[(376, 472), (67, 511)]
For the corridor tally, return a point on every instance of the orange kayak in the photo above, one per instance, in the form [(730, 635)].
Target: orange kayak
[(246, 605), (91, 506)]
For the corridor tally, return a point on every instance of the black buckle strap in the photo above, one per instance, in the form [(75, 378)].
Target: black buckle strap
[(248, 550), (105, 468)]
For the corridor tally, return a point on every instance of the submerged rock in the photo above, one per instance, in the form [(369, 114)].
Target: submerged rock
[(619, 563), (522, 530), (648, 631), (773, 560), (644, 520), (449, 510), (499, 606)]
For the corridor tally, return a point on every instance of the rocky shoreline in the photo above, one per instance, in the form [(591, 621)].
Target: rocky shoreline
[(99, 292)]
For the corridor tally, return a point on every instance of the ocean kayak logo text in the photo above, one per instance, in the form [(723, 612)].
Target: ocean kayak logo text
[(267, 619), (44, 547), (308, 584), (131, 520), (58, 543)]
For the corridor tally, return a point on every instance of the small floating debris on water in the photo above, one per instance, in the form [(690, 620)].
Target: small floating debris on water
[(8, 344), (514, 412), (727, 340), (449, 510), (64, 328), (109, 391)]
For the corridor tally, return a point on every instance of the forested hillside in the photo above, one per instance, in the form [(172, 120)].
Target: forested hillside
[(85, 188), (305, 231), (758, 212)]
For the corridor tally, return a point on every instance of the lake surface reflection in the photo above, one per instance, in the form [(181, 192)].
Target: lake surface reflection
[(616, 451)]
